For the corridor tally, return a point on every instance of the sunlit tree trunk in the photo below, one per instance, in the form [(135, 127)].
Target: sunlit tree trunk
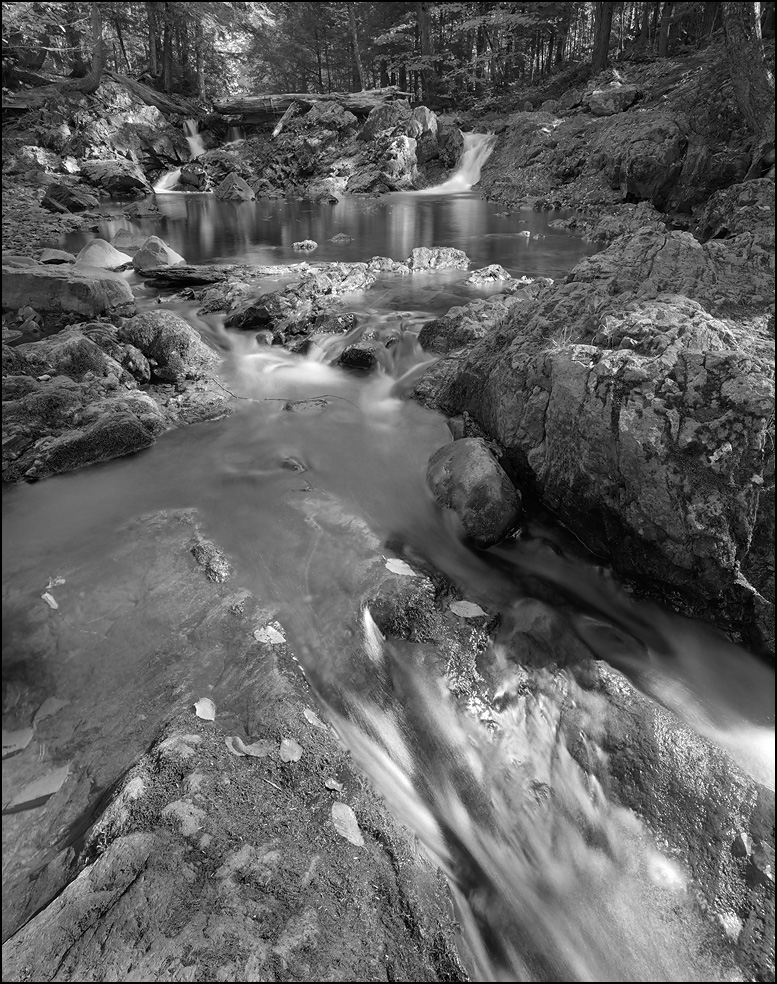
[(663, 33), (427, 50), (91, 81)]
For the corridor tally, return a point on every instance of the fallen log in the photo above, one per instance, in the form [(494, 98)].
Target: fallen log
[(267, 106)]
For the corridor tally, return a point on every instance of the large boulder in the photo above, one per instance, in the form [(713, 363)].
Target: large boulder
[(234, 189), (155, 253), (612, 99), (463, 326), (65, 289), (116, 175), (174, 349), (422, 127), (68, 198), (103, 255), (644, 418), (466, 477), (386, 118)]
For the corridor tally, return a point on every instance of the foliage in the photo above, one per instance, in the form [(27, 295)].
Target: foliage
[(448, 53)]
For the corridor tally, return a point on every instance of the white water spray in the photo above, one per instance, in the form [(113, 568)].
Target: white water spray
[(168, 181), (196, 146), (478, 147)]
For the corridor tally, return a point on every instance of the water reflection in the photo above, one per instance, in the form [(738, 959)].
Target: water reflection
[(205, 229)]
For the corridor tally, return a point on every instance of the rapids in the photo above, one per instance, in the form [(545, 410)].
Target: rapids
[(553, 881)]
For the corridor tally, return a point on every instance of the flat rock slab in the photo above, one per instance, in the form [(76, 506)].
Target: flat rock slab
[(61, 289)]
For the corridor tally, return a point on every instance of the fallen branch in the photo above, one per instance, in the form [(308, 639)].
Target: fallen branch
[(267, 106)]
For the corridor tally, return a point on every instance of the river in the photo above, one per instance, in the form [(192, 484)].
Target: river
[(537, 900)]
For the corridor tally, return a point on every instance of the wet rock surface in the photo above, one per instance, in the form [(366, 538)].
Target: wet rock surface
[(65, 290)]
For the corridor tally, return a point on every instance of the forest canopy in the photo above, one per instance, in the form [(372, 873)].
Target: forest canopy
[(441, 53)]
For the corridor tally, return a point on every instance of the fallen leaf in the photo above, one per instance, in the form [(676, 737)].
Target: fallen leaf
[(49, 599), (270, 634), (467, 609), (290, 750), (37, 792), (313, 718), (205, 709), (346, 824), (54, 581), (397, 566), (234, 745), (334, 784), (15, 741)]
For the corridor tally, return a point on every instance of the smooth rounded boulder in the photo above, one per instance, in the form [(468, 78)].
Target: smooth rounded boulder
[(175, 350), (466, 477), (155, 253)]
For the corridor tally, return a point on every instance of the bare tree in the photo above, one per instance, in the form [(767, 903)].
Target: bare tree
[(357, 61)]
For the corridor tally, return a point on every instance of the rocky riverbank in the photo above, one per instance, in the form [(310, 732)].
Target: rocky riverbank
[(634, 399)]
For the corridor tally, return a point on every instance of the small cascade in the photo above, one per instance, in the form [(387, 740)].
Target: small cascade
[(235, 135), (168, 181), (478, 147), (196, 146)]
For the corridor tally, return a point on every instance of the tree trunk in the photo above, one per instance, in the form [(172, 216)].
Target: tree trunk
[(153, 40), (750, 75), (167, 51), (357, 61), (91, 81), (384, 75), (561, 43), (643, 38), (427, 51), (120, 36), (79, 69), (602, 27), (663, 33), (199, 59)]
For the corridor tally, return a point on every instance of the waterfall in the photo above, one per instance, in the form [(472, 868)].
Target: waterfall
[(235, 135), (168, 181), (196, 146), (478, 147)]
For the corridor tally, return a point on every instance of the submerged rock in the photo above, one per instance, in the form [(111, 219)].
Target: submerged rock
[(437, 258), (466, 477), (68, 198)]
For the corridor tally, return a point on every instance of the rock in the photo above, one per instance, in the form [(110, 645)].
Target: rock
[(155, 253), (69, 290), (173, 347), (116, 175), (359, 356), (305, 245), (56, 256), (423, 128), (743, 208), (645, 425), (437, 258), (623, 219), (367, 178), (127, 241), (69, 353), (234, 189), (398, 163), (386, 117), (488, 275), (463, 326), (102, 255), (549, 106), (331, 116), (612, 99), (568, 100), (68, 198), (341, 238), (466, 477), (19, 261), (141, 210)]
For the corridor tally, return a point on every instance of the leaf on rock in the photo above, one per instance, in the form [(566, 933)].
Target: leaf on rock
[(346, 824), (334, 784), (397, 566), (49, 599), (16, 741), (466, 609), (270, 634), (290, 750), (205, 709), (235, 745), (313, 718)]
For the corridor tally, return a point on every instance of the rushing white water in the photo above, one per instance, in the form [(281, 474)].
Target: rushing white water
[(478, 147), (196, 146), (168, 181), (235, 136)]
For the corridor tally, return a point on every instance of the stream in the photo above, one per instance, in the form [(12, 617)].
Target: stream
[(493, 794)]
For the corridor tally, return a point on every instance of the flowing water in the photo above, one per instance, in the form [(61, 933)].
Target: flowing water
[(553, 882)]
